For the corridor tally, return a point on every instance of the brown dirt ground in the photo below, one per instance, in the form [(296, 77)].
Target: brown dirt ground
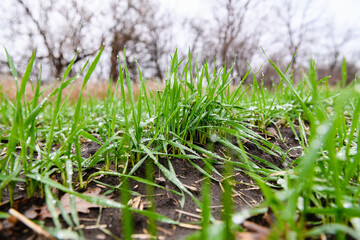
[(248, 195)]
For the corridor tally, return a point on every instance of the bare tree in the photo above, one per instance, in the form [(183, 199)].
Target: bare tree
[(138, 26), (335, 43), (59, 29), (158, 41), (300, 27), (230, 34), (296, 27), (126, 15), (333, 47), (58, 39)]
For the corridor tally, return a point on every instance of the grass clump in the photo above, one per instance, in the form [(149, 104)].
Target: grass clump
[(197, 111)]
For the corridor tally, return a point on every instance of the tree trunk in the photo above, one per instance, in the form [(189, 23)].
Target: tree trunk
[(115, 49)]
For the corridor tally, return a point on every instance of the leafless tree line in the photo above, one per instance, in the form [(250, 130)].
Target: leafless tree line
[(233, 35)]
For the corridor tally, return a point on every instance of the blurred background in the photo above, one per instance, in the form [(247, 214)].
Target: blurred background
[(214, 30)]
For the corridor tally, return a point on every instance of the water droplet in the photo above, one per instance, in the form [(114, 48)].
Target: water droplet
[(300, 203), (213, 137), (347, 205), (316, 143), (341, 155), (322, 129), (109, 202), (353, 151), (239, 218), (281, 182), (357, 88)]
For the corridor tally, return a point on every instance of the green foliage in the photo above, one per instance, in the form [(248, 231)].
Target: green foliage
[(196, 109)]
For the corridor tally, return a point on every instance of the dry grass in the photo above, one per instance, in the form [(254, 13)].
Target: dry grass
[(98, 90)]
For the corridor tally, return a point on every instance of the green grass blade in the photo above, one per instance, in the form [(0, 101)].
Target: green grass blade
[(12, 67), (303, 105)]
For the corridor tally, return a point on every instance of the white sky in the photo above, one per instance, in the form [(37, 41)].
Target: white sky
[(345, 12), (342, 13)]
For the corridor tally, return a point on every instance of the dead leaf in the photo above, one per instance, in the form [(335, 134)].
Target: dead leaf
[(160, 180), (272, 132), (3, 152), (81, 205), (136, 203), (31, 213), (139, 203), (256, 232)]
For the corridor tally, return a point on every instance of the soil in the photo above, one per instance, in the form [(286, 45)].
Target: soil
[(166, 203)]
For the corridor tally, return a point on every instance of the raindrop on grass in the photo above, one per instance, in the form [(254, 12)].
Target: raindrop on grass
[(281, 182), (357, 88), (322, 129), (239, 218), (108, 202), (213, 138), (353, 151), (341, 155), (300, 203), (316, 143), (347, 204)]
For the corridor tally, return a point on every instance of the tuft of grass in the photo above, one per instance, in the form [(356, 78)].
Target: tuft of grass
[(196, 110)]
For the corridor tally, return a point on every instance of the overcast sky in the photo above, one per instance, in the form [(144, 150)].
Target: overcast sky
[(342, 13), (345, 12)]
